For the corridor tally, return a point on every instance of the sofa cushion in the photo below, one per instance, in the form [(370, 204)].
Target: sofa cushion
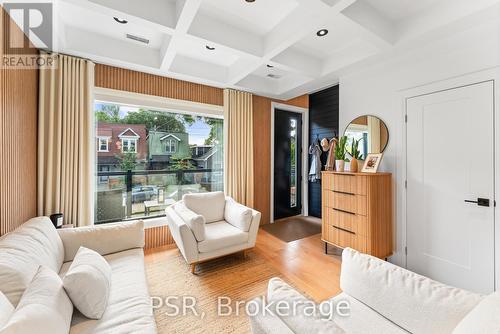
[(415, 303), (111, 239), (264, 322), (484, 318), (209, 205), (265, 319), (297, 312), (43, 308), (238, 215), (195, 221), (221, 235), (129, 305), (22, 251), (362, 319), (6, 309), (88, 282), (277, 290)]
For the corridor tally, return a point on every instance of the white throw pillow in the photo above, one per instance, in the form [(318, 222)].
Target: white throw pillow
[(88, 283), (6, 310), (484, 318), (238, 215), (43, 308), (195, 221), (209, 205), (23, 251)]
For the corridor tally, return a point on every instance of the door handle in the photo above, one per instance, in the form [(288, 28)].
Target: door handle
[(480, 201)]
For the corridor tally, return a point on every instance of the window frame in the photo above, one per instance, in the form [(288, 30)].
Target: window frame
[(176, 106), (99, 143), (168, 145), (104, 179), (129, 140)]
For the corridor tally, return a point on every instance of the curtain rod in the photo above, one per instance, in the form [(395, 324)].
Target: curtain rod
[(52, 53)]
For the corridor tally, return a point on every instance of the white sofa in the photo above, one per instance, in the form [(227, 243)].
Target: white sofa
[(37, 243), (209, 225), (387, 299)]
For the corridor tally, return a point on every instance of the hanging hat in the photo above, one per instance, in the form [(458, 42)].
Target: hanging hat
[(325, 144)]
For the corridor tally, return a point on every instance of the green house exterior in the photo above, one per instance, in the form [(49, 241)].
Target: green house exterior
[(166, 145)]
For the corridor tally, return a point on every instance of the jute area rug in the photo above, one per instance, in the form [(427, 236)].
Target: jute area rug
[(233, 277)]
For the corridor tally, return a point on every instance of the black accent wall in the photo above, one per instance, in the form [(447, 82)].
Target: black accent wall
[(323, 123)]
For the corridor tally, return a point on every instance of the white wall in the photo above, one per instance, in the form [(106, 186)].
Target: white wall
[(377, 89)]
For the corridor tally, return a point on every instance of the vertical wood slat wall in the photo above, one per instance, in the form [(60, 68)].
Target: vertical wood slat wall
[(18, 140), (157, 237), (149, 84)]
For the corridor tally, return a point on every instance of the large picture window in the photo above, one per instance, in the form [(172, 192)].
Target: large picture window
[(151, 158)]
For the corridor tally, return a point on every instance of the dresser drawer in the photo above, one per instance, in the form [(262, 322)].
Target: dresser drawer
[(346, 221), (345, 202), (343, 239), (347, 183)]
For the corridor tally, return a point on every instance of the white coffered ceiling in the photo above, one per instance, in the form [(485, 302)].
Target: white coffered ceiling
[(249, 36)]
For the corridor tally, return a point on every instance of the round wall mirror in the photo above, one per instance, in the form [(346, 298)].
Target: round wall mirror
[(370, 131)]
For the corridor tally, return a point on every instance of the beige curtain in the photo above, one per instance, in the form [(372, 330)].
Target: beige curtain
[(65, 145), (238, 153)]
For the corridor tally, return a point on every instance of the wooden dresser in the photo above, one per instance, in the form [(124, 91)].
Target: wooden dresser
[(357, 211)]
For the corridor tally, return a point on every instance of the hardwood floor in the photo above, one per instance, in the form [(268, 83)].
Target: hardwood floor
[(302, 262)]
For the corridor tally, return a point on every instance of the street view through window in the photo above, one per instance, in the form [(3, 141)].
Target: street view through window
[(147, 159)]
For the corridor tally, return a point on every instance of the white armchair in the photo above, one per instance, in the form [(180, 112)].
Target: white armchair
[(210, 225)]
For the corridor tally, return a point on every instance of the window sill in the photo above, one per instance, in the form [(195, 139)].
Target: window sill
[(150, 222)]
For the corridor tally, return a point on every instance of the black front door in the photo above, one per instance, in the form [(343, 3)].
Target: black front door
[(287, 164)]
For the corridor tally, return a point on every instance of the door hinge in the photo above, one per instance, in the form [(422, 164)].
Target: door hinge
[(406, 184), (406, 118), (406, 250)]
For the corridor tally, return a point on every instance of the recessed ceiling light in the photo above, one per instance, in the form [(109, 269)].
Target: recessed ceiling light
[(270, 66), (119, 20), (211, 48), (322, 32)]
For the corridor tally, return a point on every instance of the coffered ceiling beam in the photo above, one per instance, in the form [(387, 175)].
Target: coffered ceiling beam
[(309, 16), (186, 12)]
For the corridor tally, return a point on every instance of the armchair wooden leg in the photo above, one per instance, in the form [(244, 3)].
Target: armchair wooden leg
[(245, 253), (193, 268)]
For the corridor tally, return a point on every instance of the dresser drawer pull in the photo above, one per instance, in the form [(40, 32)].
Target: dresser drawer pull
[(343, 230), (343, 211), (343, 193)]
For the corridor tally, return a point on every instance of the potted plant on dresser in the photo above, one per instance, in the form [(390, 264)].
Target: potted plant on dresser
[(357, 158), (340, 150)]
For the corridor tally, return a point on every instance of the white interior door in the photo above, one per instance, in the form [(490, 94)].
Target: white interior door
[(450, 160)]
